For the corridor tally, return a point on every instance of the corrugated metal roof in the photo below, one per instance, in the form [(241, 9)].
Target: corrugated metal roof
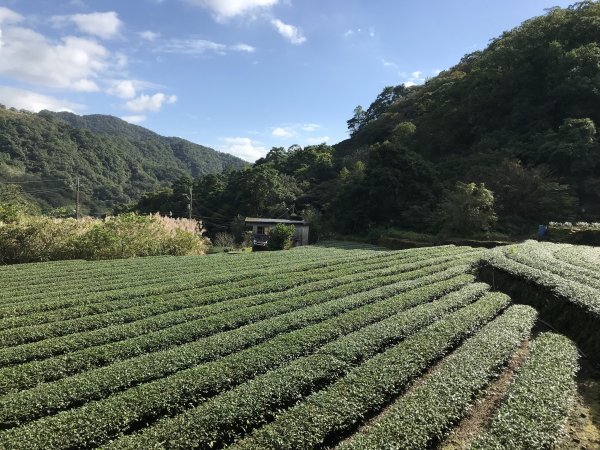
[(266, 220)]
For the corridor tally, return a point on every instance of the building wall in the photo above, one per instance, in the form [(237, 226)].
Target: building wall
[(302, 234), (301, 231)]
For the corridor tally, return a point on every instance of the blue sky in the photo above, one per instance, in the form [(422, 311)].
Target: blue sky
[(240, 76)]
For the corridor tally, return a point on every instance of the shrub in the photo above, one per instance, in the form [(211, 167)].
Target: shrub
[(182, 243), (224, 240), (122, 236), (9, 213), (40, 238), (281, 237)]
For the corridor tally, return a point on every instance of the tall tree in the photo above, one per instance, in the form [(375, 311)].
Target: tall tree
[(357, 121)]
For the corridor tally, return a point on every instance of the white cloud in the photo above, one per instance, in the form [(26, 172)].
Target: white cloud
[(310, 126), (191, 46), (9, 16), (290, 32), (32, 101), (282, 132), (359, 32), (436, 72), (413, 79), (243, 48), (104, 25), (120, 60), (128, 88), (317, 140), (388, 63), (200, 46), (149, 102), (71, 63), (149, 35), (293, 130), (226, 9), (122, 88), (244, 148), (134, 119), (85, 85)]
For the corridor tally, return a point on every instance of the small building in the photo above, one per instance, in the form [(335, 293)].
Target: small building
[(261, 226)]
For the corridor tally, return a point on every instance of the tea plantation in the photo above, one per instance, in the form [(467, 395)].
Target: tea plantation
[(338, 345)]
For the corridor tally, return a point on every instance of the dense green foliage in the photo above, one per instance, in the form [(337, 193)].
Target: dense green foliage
[(261, 350), (116, 161), (520, 116), (280, 237), (254, 400), (14, 203), (259, 191), (467, 209)]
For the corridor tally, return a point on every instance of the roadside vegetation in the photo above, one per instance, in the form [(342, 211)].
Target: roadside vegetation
[(27, 238)]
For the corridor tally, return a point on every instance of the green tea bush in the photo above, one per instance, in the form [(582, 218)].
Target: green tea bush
[(548, 376), (582, 233)]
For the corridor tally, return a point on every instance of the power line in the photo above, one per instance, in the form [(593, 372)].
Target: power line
[(39, 191), (34, 181), (214, 215), (213, 212)]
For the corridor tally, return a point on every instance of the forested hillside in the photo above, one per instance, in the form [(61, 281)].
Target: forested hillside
[(504, 140), (116, 161), (520, 116)]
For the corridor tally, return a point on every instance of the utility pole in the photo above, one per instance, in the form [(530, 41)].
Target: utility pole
[(77, 198), (191, 199)]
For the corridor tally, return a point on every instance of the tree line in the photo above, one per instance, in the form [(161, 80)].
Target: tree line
[(507, 138)]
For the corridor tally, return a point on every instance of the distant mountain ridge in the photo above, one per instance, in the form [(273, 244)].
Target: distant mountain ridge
[(198, 158), (104, 124), (116, 161)]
